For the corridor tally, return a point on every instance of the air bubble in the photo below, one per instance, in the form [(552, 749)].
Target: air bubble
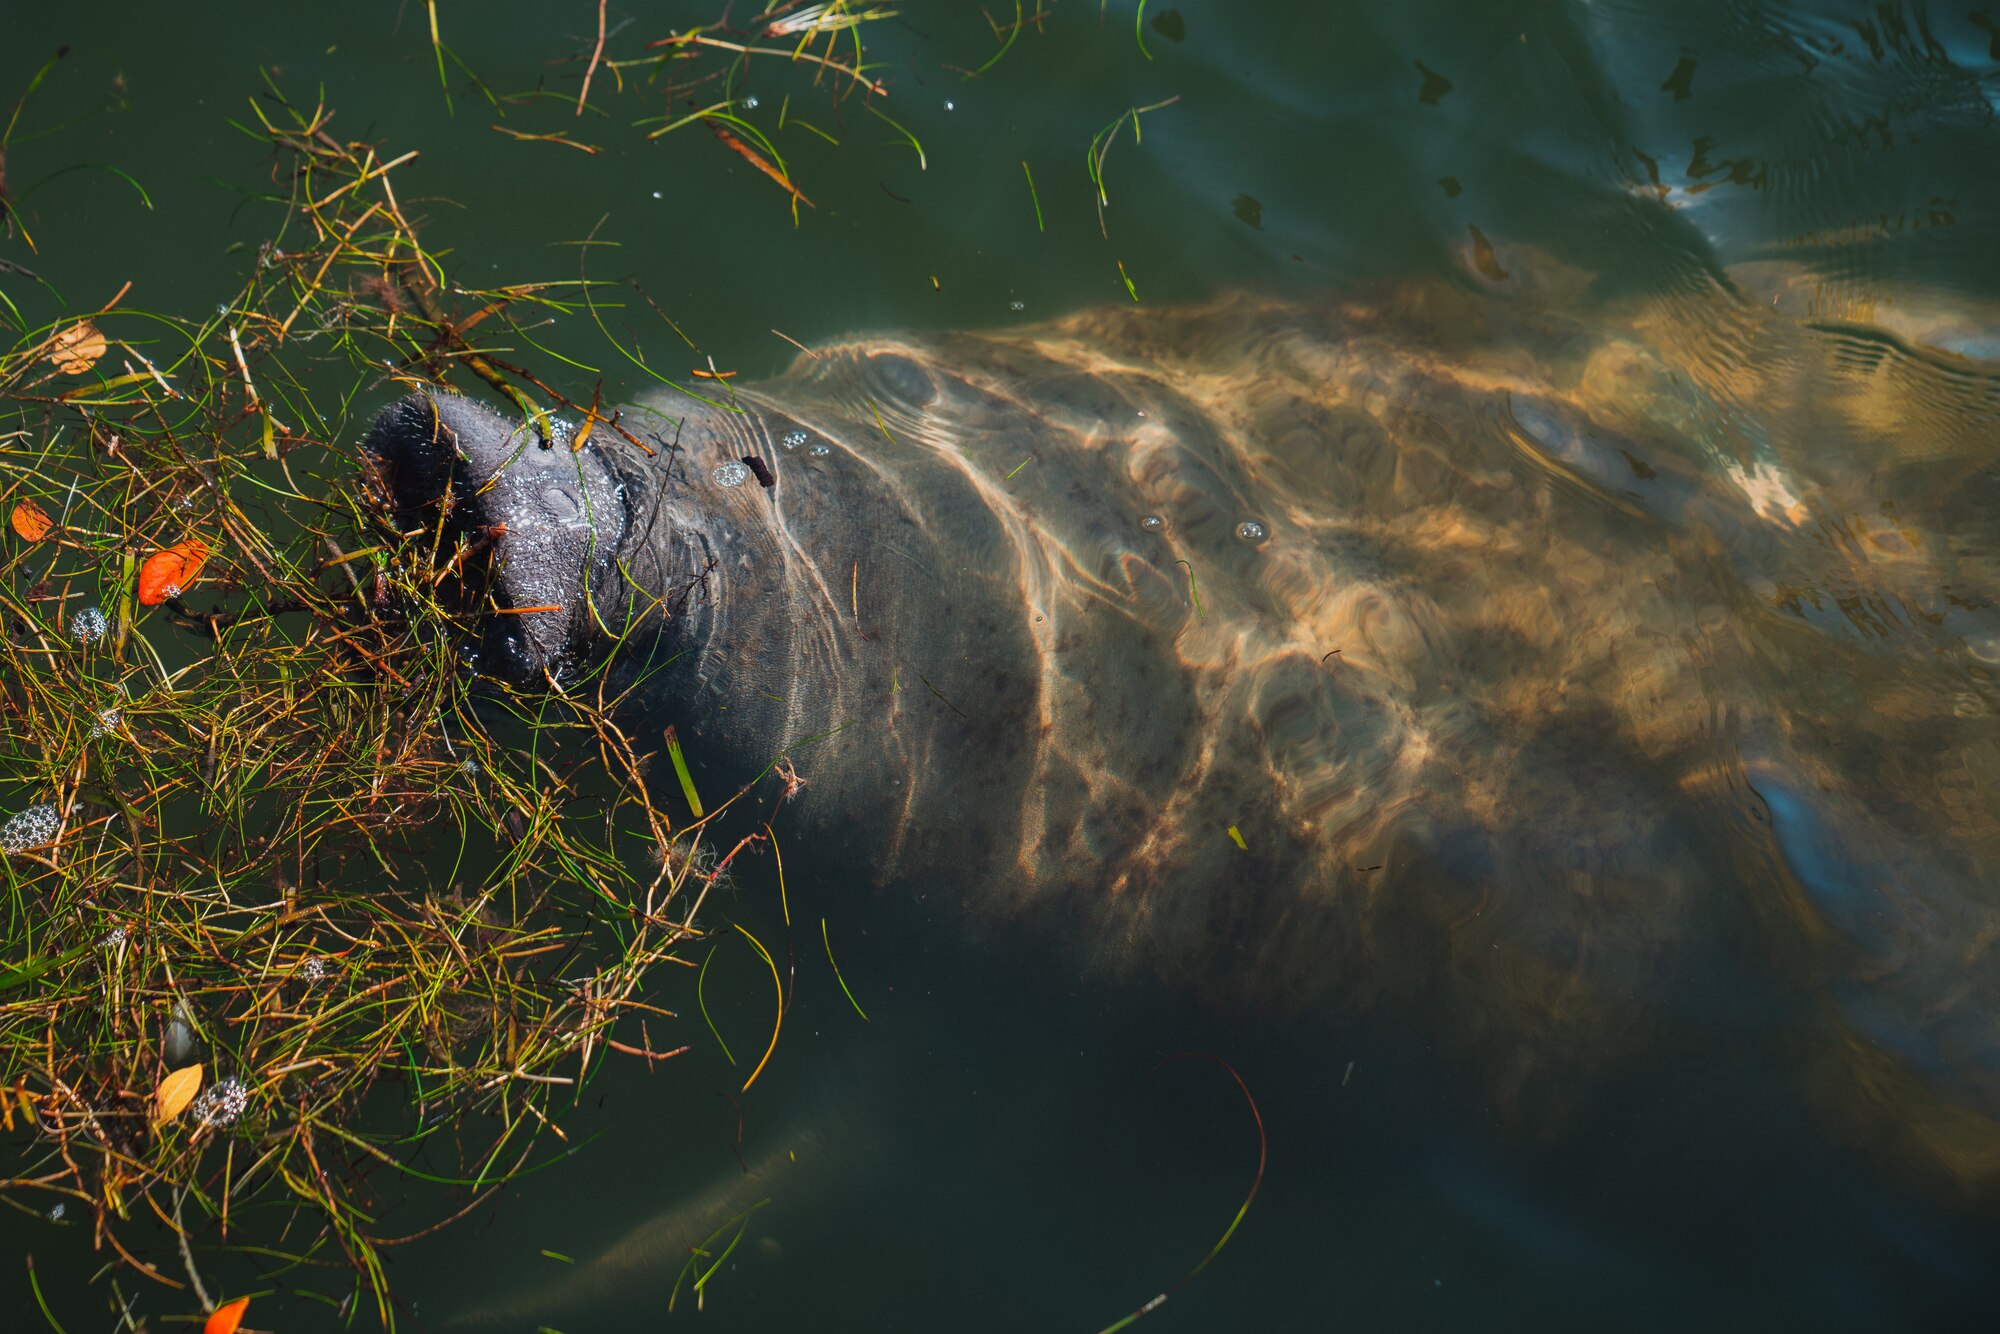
[(220, 1104), (750, 102), (730, 474), (1251, 531), (30, 828), (106, 721), (87, 625), (950, 105), (793, 439), (820, 451), (1152, 523), (1017, 305)]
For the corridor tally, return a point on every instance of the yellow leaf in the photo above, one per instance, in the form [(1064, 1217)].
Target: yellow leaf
[(176, 1091), (77, 348)]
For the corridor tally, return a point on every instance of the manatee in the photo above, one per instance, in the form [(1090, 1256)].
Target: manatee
[(1574, 673)]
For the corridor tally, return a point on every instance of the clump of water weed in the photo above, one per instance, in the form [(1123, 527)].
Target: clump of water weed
[(249, 820)]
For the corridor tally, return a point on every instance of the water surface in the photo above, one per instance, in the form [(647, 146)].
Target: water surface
[(1734, 185)]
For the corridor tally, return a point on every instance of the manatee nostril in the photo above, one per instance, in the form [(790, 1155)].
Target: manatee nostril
[(561, 504), (905, 379), (413, 453), (530, 532), (504, 654)]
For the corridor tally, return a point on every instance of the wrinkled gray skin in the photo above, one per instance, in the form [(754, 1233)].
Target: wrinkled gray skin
[(1585, 666)]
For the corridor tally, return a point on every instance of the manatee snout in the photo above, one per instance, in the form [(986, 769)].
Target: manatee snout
[(544, 521)]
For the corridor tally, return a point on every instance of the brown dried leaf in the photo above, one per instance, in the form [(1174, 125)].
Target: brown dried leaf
[(176, 1091), (77, 348)]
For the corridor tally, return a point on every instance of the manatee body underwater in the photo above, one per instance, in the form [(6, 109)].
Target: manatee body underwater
[(1582, 686)]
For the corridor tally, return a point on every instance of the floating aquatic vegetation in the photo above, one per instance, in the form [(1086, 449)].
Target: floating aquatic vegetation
[(307, 724), (815, 19)]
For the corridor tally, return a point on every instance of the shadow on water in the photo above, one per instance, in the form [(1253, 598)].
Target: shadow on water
[(1017, 1161)]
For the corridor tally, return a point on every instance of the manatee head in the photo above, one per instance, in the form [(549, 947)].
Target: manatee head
[(569, 549), (543, 520)]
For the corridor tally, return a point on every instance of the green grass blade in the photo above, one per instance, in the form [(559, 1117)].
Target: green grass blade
[(681, 771), (836, 973)]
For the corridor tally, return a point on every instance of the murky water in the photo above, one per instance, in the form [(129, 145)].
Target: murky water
[(1626, 356)]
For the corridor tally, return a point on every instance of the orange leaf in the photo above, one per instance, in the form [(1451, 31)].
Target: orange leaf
[(225, 1319), (168, 574), (31, 521), (77, 348), (176, 1091)]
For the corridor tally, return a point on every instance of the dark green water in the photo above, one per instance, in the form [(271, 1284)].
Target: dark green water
[(995, 1150)]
